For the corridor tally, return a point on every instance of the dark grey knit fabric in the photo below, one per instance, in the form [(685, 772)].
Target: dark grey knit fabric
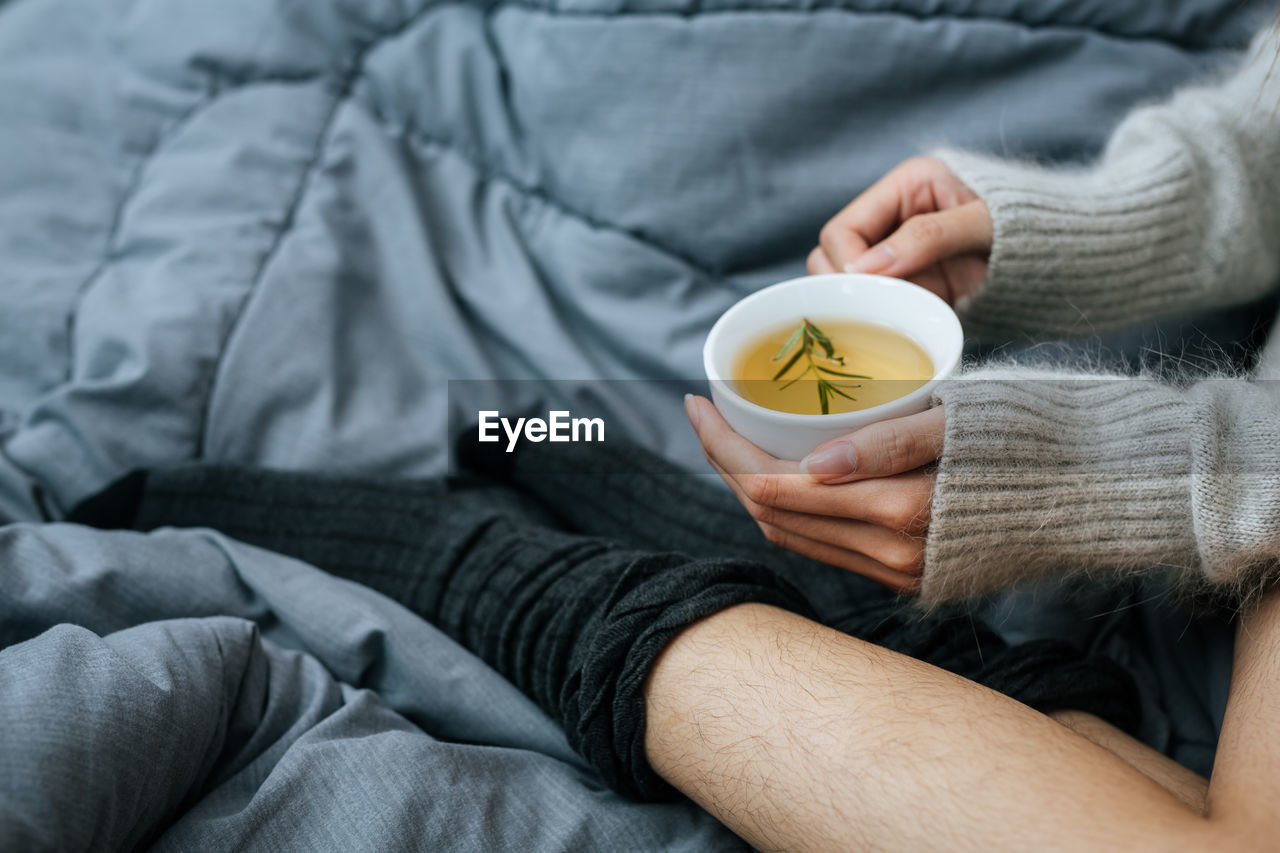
[(573, 575), (625, 493)]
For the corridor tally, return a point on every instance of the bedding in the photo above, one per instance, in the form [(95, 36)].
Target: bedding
[(279, 233), (182, 691)]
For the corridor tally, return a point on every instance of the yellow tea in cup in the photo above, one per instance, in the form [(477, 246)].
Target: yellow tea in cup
[(825, 365)]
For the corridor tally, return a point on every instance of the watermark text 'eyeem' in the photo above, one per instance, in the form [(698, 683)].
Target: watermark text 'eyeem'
[(558, 426)]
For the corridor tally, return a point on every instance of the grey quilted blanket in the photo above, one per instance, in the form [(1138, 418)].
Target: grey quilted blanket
[(271, 231)]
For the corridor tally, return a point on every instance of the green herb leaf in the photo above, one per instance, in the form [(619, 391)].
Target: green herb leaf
[(834, 390), (823, 340), (791, 341), (789, 364), (797, 379), (840, 373), (811, 338)]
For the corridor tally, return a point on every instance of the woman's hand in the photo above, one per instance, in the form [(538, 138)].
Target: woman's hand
[(859, 502), (918, 222)]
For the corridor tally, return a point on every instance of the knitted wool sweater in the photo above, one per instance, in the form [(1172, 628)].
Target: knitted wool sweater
[(1049, 472)]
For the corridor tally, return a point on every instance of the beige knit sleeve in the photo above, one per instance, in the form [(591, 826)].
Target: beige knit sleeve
[(1045, 474), (1182, 211)]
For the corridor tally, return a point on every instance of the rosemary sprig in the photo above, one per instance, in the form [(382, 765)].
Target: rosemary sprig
[(806, 341)]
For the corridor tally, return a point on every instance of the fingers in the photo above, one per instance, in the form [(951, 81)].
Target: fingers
[(724, 447), (900, 502), (902, 554), (890, 559), (848, 560), (843, 239), (866, 219), (818, 264), (818, 521), (879, 450), (895, 550), (919, 221), (924, 240)]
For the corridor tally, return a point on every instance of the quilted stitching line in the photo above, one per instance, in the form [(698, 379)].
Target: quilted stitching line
[(1186, 42), (340, 96), (286, 226), (490, 172), (482, 167), (212, 94), (131, 190), (487, 170), (139, 171)]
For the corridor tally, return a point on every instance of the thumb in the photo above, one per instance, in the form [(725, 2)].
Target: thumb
[(879, 450), (924, 240)]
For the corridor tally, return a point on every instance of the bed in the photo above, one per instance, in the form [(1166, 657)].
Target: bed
[(309, 235)]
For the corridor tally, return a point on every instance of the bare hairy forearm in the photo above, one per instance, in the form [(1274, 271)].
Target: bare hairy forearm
[(798, 737), (1187, 785), (1245, 787)]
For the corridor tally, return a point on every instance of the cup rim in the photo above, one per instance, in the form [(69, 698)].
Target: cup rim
[(725, 386)]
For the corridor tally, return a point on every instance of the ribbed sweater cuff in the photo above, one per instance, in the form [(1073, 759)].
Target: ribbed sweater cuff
[(1075, 252), (1043, 474)]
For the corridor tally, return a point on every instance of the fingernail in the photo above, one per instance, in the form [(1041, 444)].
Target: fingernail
[(878, 258), (836, 460), (849, 267), (691, 409)]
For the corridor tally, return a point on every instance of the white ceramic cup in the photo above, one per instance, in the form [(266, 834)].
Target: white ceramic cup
[(900, 305)]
